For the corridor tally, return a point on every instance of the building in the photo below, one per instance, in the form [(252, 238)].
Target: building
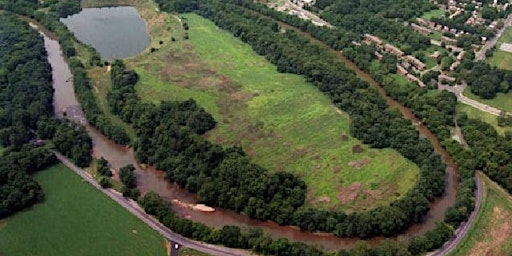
[(435, 56), (415, 62), (448, 40), (372, 39), (446, 78), (393, 50), (420, 29), (401, 70)]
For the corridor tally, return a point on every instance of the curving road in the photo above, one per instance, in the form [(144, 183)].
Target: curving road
[(458, 89), (463, 229), (135, 209)]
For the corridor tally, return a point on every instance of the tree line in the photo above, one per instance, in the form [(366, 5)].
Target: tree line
[(26, 95)]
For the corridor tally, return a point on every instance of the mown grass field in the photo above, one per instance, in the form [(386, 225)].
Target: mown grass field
[(433, 14), (484, 116), (492, 230), (282, 122), (76, 219), (502, 59)]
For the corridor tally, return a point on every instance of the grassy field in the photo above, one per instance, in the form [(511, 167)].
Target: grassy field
[(502, 101), (492, 232), (501, 58), (433, 14), (484, 116), (282, 122), (76, 219)]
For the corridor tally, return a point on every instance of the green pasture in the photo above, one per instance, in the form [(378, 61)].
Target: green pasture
[(76, 219), (433, 14), (281, 121), (502, 101), (483, 116)]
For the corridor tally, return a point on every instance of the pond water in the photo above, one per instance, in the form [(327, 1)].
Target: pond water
[(115, 32)]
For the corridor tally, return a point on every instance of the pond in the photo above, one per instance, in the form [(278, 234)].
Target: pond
[(115, 32)]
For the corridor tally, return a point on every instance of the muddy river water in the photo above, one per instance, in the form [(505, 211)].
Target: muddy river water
[(149, 179)]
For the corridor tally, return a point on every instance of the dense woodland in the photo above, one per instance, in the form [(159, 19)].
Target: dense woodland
[(26, 111)]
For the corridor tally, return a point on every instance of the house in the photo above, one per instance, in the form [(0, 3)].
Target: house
[(420, 29), (435, 56), (460, 56), (415, 62), (454, 65), (448, 40), (394, 50), (401, 70), (373, 39), (446, 78), (379, 56)]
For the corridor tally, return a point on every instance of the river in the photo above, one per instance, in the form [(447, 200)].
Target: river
[(149, 179)]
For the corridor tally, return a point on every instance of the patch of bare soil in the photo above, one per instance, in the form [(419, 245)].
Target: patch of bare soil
[(336, 169), (499, 232), (344, 137), (323, 199), (383, 192), (349, 193), (359, 164), (357, 149)]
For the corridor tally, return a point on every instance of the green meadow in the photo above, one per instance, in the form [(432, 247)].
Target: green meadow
[(281, 121), (76, 219)]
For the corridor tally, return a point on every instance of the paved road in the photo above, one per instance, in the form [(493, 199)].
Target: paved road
[(458, 89), (492, 42), (135, 209), (463, 229), (307, 14)]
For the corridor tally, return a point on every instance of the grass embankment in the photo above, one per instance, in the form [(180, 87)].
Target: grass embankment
[(483, 116), (492, 230), (282, 122), (76, 219)]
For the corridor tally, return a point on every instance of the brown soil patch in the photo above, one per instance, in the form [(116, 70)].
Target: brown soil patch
[(336, 169), (357, 149), (344, 137), (349, 193), (359, 164), (241, 96), (498, 232), (323, 199), (383, 192)]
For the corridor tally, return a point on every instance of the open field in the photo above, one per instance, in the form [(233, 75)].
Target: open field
[(502, 101), (282, 122), (433, 14), (76, 219), (484, 116), (502, 59), (492, 230)]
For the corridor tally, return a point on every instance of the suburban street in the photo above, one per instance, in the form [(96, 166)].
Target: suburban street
[(464, 227), (135, 209), (492, 42), (306, 14), (458, 89)]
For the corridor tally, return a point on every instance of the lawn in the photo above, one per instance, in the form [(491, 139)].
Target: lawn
[(281, 121), (501, 59), (433, 14), (483, 116), (506, 37), (492, 231), (502, 101), (76, 219)]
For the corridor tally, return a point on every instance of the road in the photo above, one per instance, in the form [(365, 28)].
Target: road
[(458, 89), (463, 229), (135, 209), (305, 14), (492, 42)]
